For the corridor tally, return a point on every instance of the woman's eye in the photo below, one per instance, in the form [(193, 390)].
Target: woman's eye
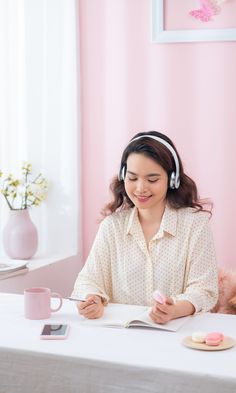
[(149, 180), (153, 181)]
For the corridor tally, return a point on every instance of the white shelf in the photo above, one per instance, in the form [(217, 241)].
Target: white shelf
[(32, 264), (37, 263)]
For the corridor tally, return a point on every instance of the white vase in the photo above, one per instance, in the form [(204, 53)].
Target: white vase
[(20, 236)]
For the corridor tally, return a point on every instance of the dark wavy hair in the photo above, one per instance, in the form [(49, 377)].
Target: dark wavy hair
[(184, 196)]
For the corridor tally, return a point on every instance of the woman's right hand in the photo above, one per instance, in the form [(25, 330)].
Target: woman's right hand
[(92, 308)]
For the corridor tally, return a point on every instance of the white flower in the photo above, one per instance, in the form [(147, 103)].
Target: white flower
[(24, 192)]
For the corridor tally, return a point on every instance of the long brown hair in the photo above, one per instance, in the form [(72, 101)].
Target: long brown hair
[(184, 196)]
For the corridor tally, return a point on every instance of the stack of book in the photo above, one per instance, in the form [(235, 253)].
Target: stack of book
[(12, 268)]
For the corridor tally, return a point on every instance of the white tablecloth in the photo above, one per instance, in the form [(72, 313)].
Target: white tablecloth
[(105, 360)]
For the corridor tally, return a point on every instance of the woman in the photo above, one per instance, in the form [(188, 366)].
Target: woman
[(155, 236)]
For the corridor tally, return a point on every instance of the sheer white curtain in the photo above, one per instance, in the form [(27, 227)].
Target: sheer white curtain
[(39, 111)]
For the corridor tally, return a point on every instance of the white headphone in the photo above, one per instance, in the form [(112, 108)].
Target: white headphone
[(174, 181)]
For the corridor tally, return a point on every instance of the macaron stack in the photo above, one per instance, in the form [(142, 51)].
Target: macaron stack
[(211, 339)]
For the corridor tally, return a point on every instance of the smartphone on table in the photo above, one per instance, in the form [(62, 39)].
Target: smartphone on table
[(54, 332)]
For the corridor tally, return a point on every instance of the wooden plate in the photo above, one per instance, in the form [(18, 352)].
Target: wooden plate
[(227, 343)]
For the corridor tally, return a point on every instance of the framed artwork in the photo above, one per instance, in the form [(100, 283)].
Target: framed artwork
[(193, 20)]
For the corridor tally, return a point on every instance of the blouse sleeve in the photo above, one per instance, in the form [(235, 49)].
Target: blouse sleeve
[(201, 280), (95, 276)]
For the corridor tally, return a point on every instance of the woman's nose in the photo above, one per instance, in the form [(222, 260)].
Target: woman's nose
[(141, 185)]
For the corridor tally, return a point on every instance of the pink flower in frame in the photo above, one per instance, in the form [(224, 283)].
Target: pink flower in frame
[(208, 9)]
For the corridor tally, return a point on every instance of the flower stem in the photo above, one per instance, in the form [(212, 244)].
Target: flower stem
[(8, 202)]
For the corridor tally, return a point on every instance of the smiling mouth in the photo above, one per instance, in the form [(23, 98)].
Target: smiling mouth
[(142, 198)]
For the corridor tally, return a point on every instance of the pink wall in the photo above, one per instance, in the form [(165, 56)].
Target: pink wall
[(185, 90)]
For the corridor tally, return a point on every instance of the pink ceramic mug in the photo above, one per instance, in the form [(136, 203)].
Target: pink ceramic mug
[(38, 303)]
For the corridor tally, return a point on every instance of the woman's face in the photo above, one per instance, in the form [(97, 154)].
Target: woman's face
[(146, 182)]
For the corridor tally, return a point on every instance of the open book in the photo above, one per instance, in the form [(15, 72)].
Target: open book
[(125, 316)]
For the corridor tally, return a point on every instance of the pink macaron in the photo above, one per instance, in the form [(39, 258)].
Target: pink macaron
[(214, 338), (159, 297)]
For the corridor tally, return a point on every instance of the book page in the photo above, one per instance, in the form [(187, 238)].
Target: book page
[(4, 276), (116, 315), (9, 266), (124, 315), (145, 321)]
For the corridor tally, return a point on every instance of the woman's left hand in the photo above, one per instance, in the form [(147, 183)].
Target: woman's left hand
[(162, 313)]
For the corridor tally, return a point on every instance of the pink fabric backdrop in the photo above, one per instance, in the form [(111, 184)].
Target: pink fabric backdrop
[(187, 90)]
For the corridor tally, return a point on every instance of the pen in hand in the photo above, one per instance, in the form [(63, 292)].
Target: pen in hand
[(73, 299), (159, 297)]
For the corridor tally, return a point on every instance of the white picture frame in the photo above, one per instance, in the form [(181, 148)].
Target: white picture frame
[(160, 35)]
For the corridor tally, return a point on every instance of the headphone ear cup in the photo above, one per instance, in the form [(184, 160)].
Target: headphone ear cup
[(172, 180), (122, 173)]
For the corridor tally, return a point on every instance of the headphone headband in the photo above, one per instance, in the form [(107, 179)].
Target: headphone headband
[(174, 178)]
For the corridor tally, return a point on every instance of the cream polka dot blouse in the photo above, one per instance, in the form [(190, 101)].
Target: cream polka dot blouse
[(180, 260)]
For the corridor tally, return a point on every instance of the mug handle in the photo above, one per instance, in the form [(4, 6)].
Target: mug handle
[(55, 294)]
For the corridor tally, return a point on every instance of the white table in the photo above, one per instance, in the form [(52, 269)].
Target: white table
[(105, 360)]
